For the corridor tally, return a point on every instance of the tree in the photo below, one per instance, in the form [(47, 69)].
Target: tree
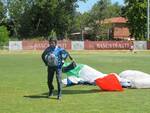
[(32, 18), (4, 36), (2, 13), (101, 10), (135, 11), (16, 8), (80, 21), (65, 17)]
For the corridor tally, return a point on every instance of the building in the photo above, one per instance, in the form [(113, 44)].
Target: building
[(119, 29)]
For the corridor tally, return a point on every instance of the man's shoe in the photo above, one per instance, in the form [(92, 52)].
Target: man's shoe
[(59, 98), (50, 94)]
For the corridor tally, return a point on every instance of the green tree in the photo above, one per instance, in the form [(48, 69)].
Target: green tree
[(65, 17), (16, 8), (80, 21), (4, 36), (135, 11), (39, 17), (101, 10), (2, 13)]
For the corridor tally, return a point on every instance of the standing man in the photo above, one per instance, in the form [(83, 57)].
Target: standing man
[(53, 57)]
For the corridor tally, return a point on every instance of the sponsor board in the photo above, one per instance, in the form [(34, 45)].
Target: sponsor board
[(15, 45), (77, 45), (140, 45), (106, 45)]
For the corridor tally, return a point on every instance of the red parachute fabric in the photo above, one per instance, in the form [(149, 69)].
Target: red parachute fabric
[(109, 83)]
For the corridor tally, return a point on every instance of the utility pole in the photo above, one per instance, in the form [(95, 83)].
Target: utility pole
[(148, 15)]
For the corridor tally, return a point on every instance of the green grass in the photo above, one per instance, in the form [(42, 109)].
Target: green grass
[(23, 87)]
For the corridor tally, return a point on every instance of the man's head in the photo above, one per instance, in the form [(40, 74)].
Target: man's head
[(52, 42)]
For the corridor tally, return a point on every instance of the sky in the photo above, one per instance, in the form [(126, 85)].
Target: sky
[(83, 7)]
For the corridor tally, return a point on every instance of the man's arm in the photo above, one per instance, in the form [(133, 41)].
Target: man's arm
[(70, 57), (43, 56), (66, 54)]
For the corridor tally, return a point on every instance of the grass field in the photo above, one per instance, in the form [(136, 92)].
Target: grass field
[(23, 87)]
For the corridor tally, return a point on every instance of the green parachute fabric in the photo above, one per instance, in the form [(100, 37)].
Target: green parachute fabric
[(75, 71)]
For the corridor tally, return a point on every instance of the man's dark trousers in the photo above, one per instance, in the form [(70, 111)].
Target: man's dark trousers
[(51, 72)]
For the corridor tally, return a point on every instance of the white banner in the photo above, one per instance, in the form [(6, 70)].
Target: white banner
[(140, 45), (15, 45), (77, 45)]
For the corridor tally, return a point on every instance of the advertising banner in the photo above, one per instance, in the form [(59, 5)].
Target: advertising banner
[(140, 45), (15, 45), (77, 45), (107, 45)]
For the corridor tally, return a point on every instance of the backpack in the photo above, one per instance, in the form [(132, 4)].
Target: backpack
[(52, 59)]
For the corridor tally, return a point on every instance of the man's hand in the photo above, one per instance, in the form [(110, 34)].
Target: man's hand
[(46, 64), (70, 58), (73, 60)]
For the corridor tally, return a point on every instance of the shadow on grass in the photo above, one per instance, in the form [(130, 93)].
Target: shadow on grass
[(70, 92), (39, 96), (35, 96), (64, 92)]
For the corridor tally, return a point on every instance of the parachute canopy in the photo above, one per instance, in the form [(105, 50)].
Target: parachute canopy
[(109, 83)]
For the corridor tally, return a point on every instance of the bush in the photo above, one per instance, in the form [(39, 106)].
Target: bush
[(4, 36)]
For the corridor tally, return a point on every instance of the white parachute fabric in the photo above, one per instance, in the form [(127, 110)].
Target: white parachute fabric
[(89, 74), (72, 79), (84, 72), (138, 79)]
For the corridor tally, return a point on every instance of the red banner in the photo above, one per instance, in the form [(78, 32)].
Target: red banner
[(106, 45), (148, 45), (88, 45), (41, 45), (65, 44)]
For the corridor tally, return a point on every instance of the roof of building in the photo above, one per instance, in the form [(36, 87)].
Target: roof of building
[(115, 20)]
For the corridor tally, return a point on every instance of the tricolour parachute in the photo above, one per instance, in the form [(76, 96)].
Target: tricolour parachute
[(84, 72)]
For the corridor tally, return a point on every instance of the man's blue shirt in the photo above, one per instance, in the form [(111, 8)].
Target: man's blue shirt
[(59, 52)]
